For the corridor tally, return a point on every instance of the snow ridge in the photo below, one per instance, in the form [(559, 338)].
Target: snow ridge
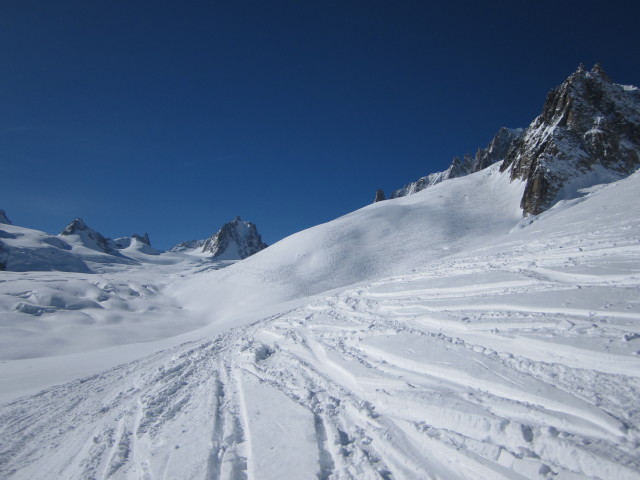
[(484, 157)]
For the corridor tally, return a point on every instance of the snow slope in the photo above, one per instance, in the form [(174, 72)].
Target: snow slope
[(446, 338), (374, 242)]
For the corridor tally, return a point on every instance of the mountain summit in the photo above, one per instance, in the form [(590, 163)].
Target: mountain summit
[(236, 240), (88, 236), (588, 133)]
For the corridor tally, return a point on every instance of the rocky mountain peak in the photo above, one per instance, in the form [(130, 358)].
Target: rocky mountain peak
[(236, 239), (588, 125), (88, 236), (3, 218), (77, 225)]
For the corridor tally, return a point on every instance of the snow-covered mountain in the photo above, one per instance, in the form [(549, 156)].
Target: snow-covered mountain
[(24, 249), (236, 240), (494, 152), (79, 232), (79, 248), (588, 133), (437, 335)]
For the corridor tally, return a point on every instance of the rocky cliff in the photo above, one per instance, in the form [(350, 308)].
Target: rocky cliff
[(588, 132)]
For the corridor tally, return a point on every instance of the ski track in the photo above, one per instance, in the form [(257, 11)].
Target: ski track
[(425, 375)]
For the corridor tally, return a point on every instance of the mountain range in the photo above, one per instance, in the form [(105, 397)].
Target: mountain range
[(78, 246)]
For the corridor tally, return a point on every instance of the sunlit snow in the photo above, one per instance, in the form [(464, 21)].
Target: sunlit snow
[(437, 335)]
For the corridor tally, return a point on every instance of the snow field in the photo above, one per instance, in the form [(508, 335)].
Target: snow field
[(510, 355)]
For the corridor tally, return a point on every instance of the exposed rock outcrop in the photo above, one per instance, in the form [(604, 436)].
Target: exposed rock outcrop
[(236, 240), (589, 131), (4, 218), (379, 196)]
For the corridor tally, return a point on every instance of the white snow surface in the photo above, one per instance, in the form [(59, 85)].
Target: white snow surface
[(438, 335)]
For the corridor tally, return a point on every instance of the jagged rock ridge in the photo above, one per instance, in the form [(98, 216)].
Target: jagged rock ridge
[(588, 132), (236, 240), (494, 152)]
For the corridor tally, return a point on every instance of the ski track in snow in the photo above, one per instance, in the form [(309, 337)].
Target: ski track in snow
[(502, 362)]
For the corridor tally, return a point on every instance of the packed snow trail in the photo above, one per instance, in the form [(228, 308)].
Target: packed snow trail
[(517, 360)]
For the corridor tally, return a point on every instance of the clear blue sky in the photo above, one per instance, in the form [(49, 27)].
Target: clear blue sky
[(174, 117)]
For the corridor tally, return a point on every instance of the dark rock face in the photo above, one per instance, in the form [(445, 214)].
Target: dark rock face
[(243, 234), (4, 218), (379, 196), (494, 152), (588, 125), (142, 238), (236, 240)]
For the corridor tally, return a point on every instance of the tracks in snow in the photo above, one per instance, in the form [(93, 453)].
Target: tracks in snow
[(478, 367)]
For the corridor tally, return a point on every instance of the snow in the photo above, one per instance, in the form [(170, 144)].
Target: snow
[(432, 336)]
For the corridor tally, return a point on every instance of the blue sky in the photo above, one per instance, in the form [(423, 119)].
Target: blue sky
[(174, 117)]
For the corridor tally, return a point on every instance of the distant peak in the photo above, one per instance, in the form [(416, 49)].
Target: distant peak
[(142, 238), (581, 68), (237, 239), (76, 225), (4, 218)]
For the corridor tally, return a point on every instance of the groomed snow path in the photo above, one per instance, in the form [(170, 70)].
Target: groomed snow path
[(517, 360)]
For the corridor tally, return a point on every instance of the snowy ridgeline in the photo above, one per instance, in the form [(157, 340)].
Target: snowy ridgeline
[(589, 127), (79, 248), (437, 335)]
